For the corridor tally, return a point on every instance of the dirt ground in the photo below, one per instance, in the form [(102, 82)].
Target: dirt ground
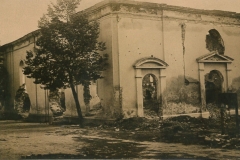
[(20, 140)]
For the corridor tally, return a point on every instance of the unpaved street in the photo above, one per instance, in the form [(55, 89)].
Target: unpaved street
[(33, 140)]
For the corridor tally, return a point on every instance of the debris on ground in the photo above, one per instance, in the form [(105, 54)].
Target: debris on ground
[(181, 129), (190, 130)]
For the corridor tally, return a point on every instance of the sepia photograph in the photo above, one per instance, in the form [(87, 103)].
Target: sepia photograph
[(119, 79)]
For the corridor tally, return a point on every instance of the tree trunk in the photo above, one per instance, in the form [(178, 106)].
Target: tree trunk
[(77, 105), (87, 96)]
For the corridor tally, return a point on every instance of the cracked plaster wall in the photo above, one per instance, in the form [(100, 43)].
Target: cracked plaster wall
[(142, 36)]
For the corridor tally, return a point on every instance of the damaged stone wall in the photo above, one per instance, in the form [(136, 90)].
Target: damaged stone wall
[(22, 102), (70, 108), (169, 33), (56, 102), (180, 98)]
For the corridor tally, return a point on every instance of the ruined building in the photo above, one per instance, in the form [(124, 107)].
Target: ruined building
[(163, 59)]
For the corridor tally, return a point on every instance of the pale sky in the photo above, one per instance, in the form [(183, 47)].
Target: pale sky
[(20, 17)]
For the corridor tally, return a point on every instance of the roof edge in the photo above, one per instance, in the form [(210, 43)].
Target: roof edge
[(33, 33), (163, 6)]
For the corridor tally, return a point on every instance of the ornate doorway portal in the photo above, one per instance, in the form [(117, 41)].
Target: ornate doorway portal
[(149, 73), (214, 76)]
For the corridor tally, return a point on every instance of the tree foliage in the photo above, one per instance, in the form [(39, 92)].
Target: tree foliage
[(67, 52), (62, 11)]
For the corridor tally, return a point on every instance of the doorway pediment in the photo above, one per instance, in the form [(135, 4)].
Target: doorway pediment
[(150, 62), (214, 57)]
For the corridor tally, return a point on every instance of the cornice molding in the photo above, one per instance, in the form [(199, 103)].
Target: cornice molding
[(167, 11), (20, 40)]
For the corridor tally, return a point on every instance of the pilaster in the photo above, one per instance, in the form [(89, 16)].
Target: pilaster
[(202, 84), (139, 93)]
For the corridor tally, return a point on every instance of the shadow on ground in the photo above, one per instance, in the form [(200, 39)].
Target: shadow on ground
[(123, 138)]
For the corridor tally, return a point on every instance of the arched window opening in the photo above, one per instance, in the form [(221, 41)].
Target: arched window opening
[(214, 41)]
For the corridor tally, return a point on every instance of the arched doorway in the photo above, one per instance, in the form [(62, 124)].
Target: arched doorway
[(150, 89), (213, 86)]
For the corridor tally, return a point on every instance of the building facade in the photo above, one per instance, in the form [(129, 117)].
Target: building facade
[(163, 59)]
